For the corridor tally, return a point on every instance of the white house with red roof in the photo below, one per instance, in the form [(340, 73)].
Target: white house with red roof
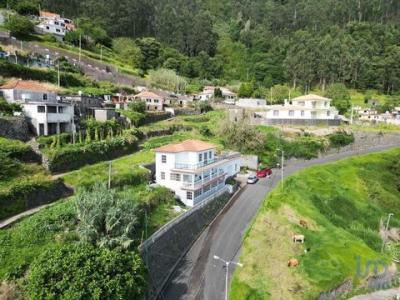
[(51, 23), (194, 171), (39, 102), (153, 101)]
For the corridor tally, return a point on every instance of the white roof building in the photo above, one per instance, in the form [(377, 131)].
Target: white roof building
[(312, 107), (193, 170)]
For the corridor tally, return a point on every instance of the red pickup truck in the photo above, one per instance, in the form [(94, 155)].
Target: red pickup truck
[(264, 172)]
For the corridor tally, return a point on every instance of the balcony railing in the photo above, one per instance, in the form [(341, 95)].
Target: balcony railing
[(204, 163), (205, 180), (208, 193)]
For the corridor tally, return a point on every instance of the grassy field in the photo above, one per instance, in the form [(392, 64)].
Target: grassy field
[(342, 203)]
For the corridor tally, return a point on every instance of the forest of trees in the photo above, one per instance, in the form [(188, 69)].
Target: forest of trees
[(304, 43)]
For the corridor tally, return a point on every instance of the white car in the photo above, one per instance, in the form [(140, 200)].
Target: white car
[(252, 179)]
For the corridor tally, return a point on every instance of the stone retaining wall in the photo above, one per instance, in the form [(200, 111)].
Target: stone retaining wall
[(163, 251), (16, 128)]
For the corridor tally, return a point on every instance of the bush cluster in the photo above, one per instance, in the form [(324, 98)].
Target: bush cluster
[(17, 150), (74, 156), (341, 139)]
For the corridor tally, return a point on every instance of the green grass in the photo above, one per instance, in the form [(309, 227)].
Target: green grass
[(342, 203)]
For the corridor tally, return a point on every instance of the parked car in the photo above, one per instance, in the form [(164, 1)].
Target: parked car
[(252, 179), (264, 172)]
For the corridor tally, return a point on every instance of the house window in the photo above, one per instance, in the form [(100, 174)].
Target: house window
[(44, 96), (47, 27), (163, 175), (189, 195), (52, 109), (328, 113), (60, 109), (57, 30), (163, 159), (41, 109), (175, 177), (326, 103), (302, 113), (56, 23), (210, 154), (155, 100), (291, 113), (200, 157), (276, 113), (148, 100)]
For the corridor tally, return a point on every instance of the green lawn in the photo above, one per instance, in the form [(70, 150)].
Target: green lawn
[(342, 203)]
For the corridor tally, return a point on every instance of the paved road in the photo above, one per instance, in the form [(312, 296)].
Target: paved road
[(199, 276), (380, 295), (97, 70)]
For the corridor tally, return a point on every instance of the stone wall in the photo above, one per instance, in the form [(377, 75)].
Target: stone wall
[(365, 140), (163, 251), (16, 128)]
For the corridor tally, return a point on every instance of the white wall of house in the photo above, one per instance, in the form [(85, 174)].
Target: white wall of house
[(49, 118), (18, 95), (195, 176), (251, 103)]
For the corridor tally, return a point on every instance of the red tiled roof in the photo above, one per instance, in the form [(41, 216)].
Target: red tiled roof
[(28, 85), (148, 94), (188, 145), (47, 14)]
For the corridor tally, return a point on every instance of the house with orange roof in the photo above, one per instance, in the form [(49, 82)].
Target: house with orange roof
[(52, 23), (40, 106), (154, 102), (194, 171)]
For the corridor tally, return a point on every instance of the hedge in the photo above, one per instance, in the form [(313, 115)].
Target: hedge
[(341, 139), (67, 79), (74, 156), (46, 141), (27, 193), (18, 150)]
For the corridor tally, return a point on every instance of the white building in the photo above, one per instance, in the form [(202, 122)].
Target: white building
[(51, 23), (193, 170), (39, 104), (251, 103), (308, 107), (18, 91), (152, 100), (49, 118), (208, 93)]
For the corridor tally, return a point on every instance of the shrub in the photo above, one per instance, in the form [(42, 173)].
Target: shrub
[(19, 25), (63, 139), (27, 8), (106, 220), (341, 139), (303, 148), (82, 271), (17, 149), (137, 106), (8, 109), (75, 156)]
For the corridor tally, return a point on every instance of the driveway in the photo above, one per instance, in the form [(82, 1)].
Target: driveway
[(199, 276)]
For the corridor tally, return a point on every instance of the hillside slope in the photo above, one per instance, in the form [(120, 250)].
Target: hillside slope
[(342, 204)]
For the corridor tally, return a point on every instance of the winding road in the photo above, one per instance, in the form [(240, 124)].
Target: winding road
[(199, 276)]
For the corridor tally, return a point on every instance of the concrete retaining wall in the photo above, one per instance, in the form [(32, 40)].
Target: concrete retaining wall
[(249, 161), (365, 140), (163, 251), (297, 122), (16, 128)]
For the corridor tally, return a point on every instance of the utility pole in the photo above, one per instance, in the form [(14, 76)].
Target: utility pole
[(227, 263), (351, 115), (109, 174), (386, 229), (282, 159), (80, 47), (58, 73), (73, 123)]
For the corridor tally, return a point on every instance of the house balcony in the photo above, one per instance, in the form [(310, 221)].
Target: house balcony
[(213, 191), (206, 163), (202, 182)]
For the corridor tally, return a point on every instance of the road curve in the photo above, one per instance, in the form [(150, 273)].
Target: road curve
[(199, 276)]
